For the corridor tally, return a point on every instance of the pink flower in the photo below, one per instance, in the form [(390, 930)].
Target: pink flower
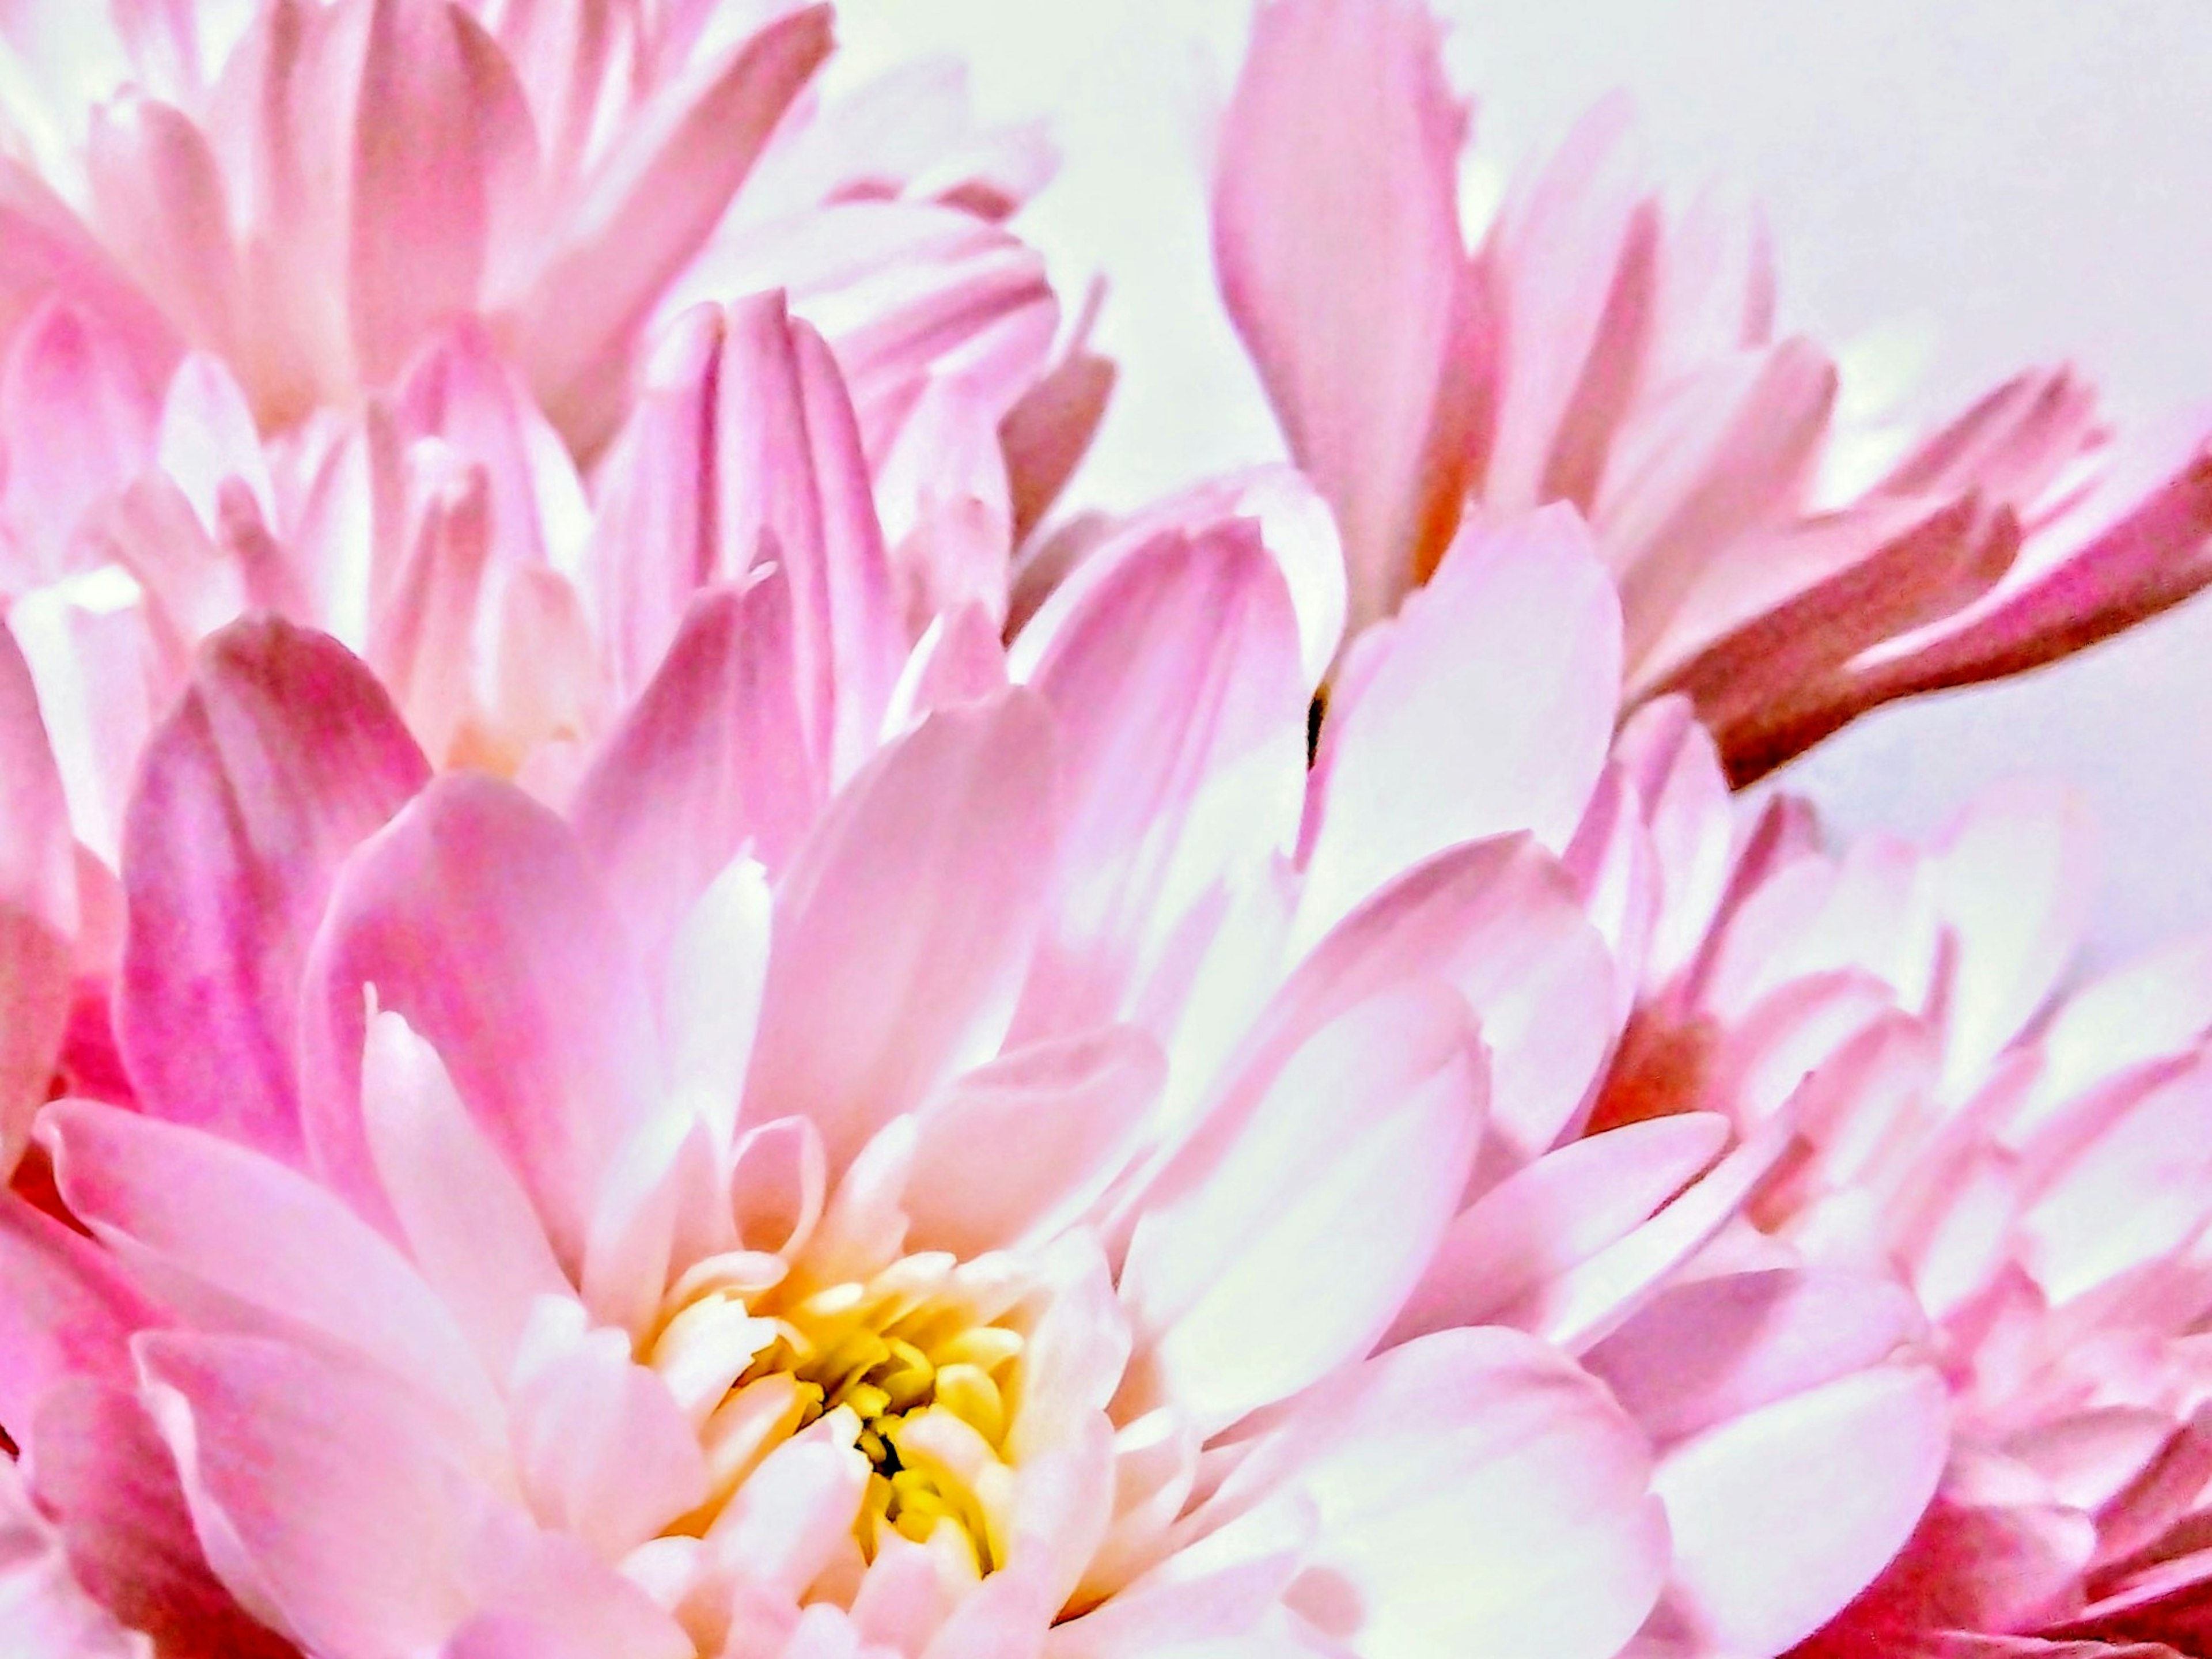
[(2027, 1165), (1054, 1178), (511, 607), (235, 180), (1597, 349)]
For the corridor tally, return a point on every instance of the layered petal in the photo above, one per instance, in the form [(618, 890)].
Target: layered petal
[(284, 755)]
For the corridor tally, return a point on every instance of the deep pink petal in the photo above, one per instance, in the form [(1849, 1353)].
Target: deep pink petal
[(65, 1313), (329, 1506), (39, 908), (99, 1464), (284, 755)]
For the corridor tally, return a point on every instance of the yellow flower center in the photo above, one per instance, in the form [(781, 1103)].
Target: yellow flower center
[(910, 1364)]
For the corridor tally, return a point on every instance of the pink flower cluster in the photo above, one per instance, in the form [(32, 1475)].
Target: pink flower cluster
[(645, 1011)]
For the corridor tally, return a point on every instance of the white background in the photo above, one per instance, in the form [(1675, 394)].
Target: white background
[(2003, 181)]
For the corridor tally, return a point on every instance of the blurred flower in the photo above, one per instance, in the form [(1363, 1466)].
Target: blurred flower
[(2029, 1166), (1599, 350)]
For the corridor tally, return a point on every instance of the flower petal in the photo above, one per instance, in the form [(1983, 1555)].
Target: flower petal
[(1490, 709), (284, 755), (474, 916), (1780, 1517), (1477, 1495), (1337, 239), (38, 909), (650, 207), (192, 1217), (1257, 1266), (709, 759), (885, 974), (1180, 698), (1055, 1115)]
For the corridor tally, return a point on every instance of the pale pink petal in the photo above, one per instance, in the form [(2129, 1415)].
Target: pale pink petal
[(1046, 434), (1499, 922), (886, 975), (207, 438), (958, 658), (1581, 1305), (1719, 455), (906, 294), (45, 251), (284, 755), (2135, 1194), (941, 489), (794, 1514), (1476, 1494), (710, 994), (603, 1451), (1183, 712), (460, 389), (465, 1218), (1294, 524), (2012, 885), (1337, 239), (94, 658), (79, 424), (709, 760), (1780, 1517), (353, 1540), (1251, 1272), (646, 212), (1613, 866), (421, 213), (192, 1217), (475, 916), (2158, 1006), (1717, 1348), (1579, 233), (1560, 1210), (1061, 1115), (1678, 777), (422, 639), (1490, 710), (654, 541), (161, 204)]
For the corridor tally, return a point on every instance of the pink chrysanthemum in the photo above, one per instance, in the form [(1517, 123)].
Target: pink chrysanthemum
[(1069, 1179), (2029, 1165)]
